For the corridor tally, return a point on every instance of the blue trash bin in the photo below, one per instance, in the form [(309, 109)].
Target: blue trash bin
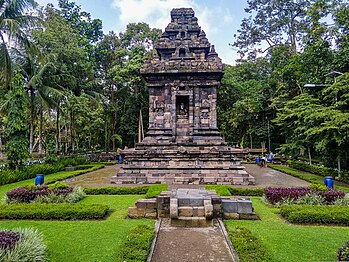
[(328, 181), (39, 179)]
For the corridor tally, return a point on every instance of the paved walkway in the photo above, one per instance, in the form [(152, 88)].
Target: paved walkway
[(178, 244), (266, 177)]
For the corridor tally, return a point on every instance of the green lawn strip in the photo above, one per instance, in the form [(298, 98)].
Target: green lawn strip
[(136, 246), (220, 190), (49, 178), (286, 242), (73, 241), (309, 177)]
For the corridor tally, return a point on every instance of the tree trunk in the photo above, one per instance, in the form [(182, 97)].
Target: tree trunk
[(40, 132), (58, 144), (72, 142), (31, 132), (309, 154)]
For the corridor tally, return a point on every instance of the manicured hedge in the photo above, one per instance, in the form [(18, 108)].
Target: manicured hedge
[(239, 191), (136, 246), (53, 211), (247, 245), (139, 190), (318, 170), (316, 214), (220, 190)]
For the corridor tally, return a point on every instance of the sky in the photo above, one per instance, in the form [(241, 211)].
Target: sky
[(220, 19)]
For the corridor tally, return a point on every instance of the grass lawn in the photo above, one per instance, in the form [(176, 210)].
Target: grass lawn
[(83, 240), (87, 240), (48, 178), (309, 177), (285, 242)]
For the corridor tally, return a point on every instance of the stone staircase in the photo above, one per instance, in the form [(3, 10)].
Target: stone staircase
[(192, 207)]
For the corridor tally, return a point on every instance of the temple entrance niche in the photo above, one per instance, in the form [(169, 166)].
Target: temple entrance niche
[(182, 117), (182, 107)]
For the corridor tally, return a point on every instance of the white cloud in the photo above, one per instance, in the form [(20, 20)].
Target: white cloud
[(157, 12)]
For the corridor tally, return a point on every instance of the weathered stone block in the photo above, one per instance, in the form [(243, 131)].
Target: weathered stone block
[(251, 216), (174, 208), (185, 211), (134, 212), (245, 207), (208, 209), (231, 216), (141, 204), (163, 213), (230, 206)]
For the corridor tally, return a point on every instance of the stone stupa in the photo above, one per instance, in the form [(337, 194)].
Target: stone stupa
[(183, 144)]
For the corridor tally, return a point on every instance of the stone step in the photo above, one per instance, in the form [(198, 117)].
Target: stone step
[(189, 211), (191, 222)]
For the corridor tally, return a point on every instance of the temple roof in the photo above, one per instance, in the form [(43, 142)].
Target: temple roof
[(183, 46)]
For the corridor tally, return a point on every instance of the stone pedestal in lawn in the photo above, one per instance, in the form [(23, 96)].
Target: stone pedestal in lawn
[(183, 144), (192, 207)]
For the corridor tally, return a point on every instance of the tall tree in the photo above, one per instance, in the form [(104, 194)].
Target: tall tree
[(14, 19), (17, 124)]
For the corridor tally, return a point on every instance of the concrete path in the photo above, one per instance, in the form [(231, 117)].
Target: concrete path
[(178, 244), (266, 177)]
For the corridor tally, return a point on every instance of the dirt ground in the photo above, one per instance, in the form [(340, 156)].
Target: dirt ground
[(191, 244)]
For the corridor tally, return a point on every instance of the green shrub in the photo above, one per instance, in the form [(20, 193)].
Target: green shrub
[(155, 190), (316, 214), (220, 190), (342, 201), (311, 199), (247, 245), (343, 252), (57, 185), (53, 211), (30, 247), (75, 196), (239, 191), (139, 190), (137, 245), (318, 187), (318, 170)]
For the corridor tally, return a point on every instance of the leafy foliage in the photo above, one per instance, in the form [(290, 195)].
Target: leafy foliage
[(16, 125), (8, 239), (343, 252), (29, 247)]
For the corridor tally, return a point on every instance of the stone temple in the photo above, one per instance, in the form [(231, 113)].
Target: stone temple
[(183, 144)]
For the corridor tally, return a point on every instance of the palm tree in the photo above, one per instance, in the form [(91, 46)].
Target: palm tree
[(41, 95), (13, 21)]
